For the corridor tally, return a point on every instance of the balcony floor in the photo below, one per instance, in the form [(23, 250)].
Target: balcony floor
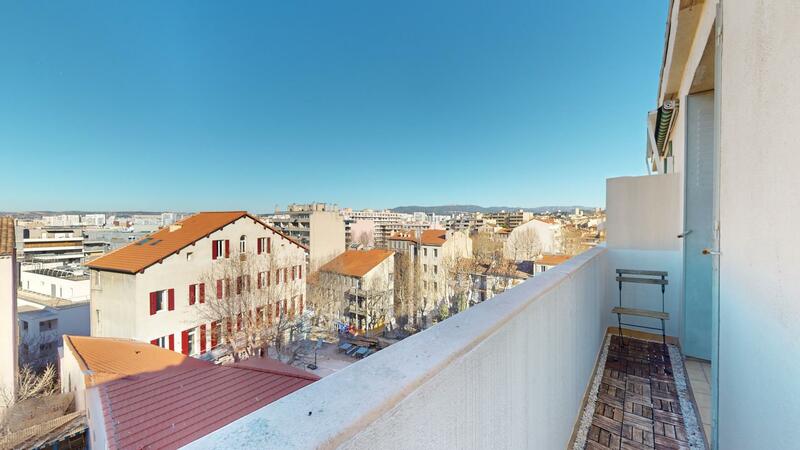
[(640, 400)]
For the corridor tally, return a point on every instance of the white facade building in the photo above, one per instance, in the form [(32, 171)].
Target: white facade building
[(152, 290), (318, 226), (8, 307)]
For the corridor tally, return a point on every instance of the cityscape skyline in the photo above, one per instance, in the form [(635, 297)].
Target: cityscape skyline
[(368, 106)]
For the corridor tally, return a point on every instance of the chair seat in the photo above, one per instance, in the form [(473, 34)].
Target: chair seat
[(640, 313)]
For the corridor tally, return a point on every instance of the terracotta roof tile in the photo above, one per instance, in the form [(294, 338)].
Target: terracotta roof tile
[(429, 237), (112, 358), (552, 260), (163, 243), (173, 407), (356, 263), (7, 242), (434, 237)]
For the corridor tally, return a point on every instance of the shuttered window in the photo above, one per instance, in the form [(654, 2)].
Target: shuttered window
[(202, 292), (171, 300), (192, 294), (202, 338)]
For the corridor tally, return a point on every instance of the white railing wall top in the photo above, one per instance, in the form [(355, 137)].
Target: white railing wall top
[(331, 411)]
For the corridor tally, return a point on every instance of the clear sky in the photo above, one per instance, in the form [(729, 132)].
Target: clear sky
[(170, 105)]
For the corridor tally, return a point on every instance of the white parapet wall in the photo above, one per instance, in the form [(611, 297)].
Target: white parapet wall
[(508, 373)]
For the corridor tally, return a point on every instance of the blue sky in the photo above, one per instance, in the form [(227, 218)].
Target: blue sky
[(233, 105)]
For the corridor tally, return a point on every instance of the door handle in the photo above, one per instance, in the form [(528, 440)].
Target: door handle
[(708, 251), (684, 234)]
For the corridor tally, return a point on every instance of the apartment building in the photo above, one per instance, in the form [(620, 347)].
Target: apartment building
[(42, 320), (433, 254), (531, 239), (385, 222), (8, 306), (154, 290), (318, 226), (510, 219), (53, 244), (365, 280)]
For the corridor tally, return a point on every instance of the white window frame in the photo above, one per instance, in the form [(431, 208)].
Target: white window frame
[(242, 244), (220, 244), (162, 298)]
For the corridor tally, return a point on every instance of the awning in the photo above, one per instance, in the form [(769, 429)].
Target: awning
[(663, 124)]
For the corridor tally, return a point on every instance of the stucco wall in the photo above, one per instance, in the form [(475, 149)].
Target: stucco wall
[(759, 394), (8, 322), (508, 373), (644, 213), (124, 299)]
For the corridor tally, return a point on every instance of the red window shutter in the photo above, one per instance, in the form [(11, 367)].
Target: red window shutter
[(284, 307), (300, 267), (294, 272), (227, 248), (278, 310), (171, 300), (268, 276), (214, 254), (202, 338), (219, 289), (202, 292), (172, 342), (239, 322), (238, 285), (185, 342), (154, 342), (153, 301), (258, 246), (301, 303), (191, 294), (258, 281), (285, 275), (269, 315), (214, 334), (269, 245)]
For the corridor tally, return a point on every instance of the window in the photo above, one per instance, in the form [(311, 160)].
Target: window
[(46, 347), (47, 325), (220, 248), (262, 245), (193, 293), (189, 256), (161, 300), (435, 269), (161, 342), (435, 286), (424, 252), (25, 325), (425, 268), (190, 337), (242, 244), (425, 284), (543, 268), (436, 253), (294, 272)]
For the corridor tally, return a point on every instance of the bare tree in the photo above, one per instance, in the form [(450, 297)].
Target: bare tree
[(30, 384), (253, 301), (524, 244), (326, 295), (486, 247)]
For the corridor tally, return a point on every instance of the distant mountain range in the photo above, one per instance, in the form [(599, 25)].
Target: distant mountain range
[(449, 209)]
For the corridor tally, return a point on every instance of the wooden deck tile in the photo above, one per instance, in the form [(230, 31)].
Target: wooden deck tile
[(637, 404)]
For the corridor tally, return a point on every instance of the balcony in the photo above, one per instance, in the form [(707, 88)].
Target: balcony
[(511, 372)]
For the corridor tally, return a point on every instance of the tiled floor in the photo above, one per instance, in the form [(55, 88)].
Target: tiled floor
[(699, 374), (638, 404)]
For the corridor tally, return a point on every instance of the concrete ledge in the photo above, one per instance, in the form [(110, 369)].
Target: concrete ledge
[(494, 349)]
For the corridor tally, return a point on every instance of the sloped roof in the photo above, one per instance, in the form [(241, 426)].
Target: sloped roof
[(155, 247), (111, 358), (434, 237), (429, 237), (7, 242), (356, 263), (173, 407), (552, 260)]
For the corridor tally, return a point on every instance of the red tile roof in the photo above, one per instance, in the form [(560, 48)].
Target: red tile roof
[(434, 237), (107, 359), (173, 407), (144, 253), (356, 263), (429, 237), (552, 260)]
